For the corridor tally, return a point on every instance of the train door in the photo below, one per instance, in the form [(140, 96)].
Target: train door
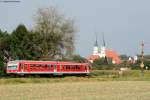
[(61, 68), (86, 69), (55, 68), (21, 67), (24, 67)]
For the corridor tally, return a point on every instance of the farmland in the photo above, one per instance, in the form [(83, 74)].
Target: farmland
[(101, 85), (107, 90)]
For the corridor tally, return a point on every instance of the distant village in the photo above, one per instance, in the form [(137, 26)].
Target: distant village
[(102, 52)]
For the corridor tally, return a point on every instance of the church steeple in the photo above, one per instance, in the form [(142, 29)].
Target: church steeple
[(96, 49), (96, 43), (104, 44), (103, 49)]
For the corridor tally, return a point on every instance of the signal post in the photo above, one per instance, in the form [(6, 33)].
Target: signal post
[(142, 59)]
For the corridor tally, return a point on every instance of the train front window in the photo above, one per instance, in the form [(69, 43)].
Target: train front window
[(14, 67)]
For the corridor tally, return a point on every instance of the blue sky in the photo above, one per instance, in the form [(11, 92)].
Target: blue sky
[(125, 23)]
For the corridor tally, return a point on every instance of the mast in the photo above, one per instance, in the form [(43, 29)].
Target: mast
[(142, 52), (142, 58)]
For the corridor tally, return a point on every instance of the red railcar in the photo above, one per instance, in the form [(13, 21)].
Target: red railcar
[(47, 67)]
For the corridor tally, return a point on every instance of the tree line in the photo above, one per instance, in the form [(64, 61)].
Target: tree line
[(52, 37)]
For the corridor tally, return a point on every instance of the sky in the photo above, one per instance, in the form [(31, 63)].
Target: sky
[(125, 23)]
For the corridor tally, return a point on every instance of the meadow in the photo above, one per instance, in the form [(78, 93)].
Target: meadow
[(107, 90), (100, 85)]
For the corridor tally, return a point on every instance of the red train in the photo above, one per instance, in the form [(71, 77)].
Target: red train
[(47, 67)]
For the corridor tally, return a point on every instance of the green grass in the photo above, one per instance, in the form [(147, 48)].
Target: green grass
[(131, 73), (107, 90), (96, 75)]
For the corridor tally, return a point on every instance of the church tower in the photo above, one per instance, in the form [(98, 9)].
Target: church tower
[(102, 53), (103, 49), (96, 49)]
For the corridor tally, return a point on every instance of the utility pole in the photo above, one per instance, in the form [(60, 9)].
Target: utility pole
[(142, 58)]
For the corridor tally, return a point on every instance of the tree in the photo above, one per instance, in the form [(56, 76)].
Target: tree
[(4, 48), (55, 31), (19, 39), (123, 57), (24, 44), (78, 58), (4, 45)]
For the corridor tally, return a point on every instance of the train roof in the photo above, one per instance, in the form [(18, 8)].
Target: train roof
[(47, 62)]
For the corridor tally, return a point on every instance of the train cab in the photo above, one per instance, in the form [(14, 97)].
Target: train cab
[(12, 67)]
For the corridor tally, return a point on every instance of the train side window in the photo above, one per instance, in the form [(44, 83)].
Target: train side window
[(21, 65), (67, 67), (77, 67), (44, 65), (25, 66), (40, 65), (31, 65), (55, 66), (35, 65), (71, 67), (49, 66), (61, 67), (74, 67)]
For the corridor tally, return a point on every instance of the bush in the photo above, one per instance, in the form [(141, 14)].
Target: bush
[(102, 64), (105, 67), (2, 69), (105, 73)]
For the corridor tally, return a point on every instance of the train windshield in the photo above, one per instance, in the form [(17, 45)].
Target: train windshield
[(13, 67)]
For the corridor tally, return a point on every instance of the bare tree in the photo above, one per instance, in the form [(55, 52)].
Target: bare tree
[(56, 32)]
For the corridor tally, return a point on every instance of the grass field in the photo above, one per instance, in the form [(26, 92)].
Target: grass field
[(96, 75), (107, 90), (101, 85)]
